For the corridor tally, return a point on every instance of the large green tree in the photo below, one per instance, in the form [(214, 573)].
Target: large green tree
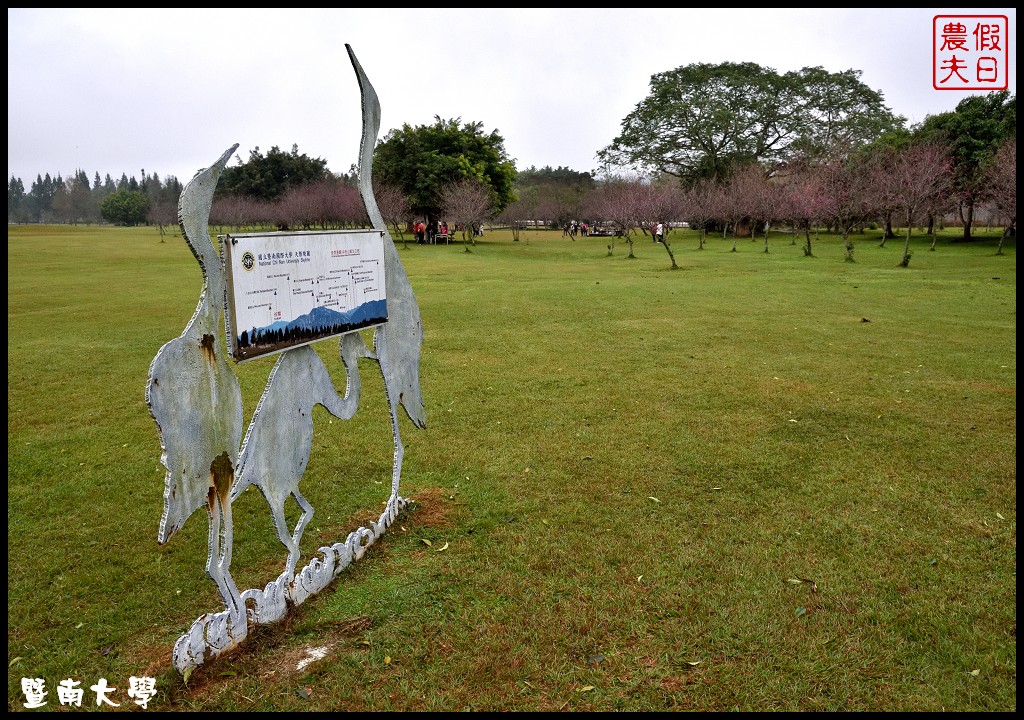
[(839, 113), (125, 207), (423, 161), (270, 176), (974, 131), (702, 120)]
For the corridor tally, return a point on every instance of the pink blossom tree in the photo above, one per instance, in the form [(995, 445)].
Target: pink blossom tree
[(1001, 182), (395, 208), (698, 208), (845, 186), (467, 203), (918, 177)]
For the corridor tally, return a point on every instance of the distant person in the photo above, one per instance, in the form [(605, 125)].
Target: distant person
[(659, 233)]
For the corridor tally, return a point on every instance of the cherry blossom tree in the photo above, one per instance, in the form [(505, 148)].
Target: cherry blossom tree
[(395, 208), (468, 204), (918, 177), (1001, 180), (804, 200), (845, 186), (667, 203), (697, 208)]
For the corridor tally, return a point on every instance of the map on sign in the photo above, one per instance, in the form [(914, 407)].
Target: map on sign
[(286, 289)]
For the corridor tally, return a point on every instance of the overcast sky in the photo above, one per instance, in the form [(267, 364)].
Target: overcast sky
[(168, 90)]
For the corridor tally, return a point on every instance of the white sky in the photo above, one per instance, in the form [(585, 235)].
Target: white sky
[(168, 90)]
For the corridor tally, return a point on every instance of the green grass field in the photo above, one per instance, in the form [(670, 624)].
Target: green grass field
[(762, 482)]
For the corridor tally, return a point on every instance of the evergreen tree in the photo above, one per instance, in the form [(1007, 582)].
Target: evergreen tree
[(16, 204), (271, 176)]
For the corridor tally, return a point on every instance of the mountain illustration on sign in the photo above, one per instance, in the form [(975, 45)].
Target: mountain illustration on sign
[(319, 318)]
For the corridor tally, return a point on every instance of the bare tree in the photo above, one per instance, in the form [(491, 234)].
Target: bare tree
[(164, 215), (623, 201), (394, 207), (668, 204), (735, 201), (1001, 181), (720, 207), (522, 211), (767, 203), (882, 190), (845, 194), (803, 202), (468, 204), (697, 208), (918, 176)]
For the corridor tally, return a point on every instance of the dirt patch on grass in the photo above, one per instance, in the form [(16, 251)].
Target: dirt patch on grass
[(431, 508), (331, 636)]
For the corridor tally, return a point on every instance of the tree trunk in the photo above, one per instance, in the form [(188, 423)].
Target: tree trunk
[(670, 255), (1009, 231), (847, 245), (905, 261), (887, 233), (967, 218)]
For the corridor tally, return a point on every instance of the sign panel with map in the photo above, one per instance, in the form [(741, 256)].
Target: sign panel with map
[(286, 289)]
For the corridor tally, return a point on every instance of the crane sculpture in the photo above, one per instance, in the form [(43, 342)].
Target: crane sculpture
[(196, 402)]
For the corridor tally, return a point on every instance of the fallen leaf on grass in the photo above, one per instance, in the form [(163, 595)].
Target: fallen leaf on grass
[(304, 693), (387, 659), (442, 548), (801, 611), (1000, 516), (651, 497), (426, 542), (585, 688), (975, 672), (794, 581), (693, 663), (17, 659)]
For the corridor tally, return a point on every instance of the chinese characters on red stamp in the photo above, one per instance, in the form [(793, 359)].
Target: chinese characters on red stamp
[(970, 52)]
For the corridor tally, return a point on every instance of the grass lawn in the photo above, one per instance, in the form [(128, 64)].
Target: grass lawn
[(761, 482)]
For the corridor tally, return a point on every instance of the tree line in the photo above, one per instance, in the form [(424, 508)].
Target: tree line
[(811, 146), (74, 200)]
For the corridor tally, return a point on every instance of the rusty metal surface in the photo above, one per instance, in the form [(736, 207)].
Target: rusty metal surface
[(195, 399)]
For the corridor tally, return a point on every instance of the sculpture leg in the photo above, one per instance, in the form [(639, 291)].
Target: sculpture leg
[(218, 562), (396, 471), (281, 525), (300, 526)]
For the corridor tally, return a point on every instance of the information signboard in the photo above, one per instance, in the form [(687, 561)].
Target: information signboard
[(286, 289)]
